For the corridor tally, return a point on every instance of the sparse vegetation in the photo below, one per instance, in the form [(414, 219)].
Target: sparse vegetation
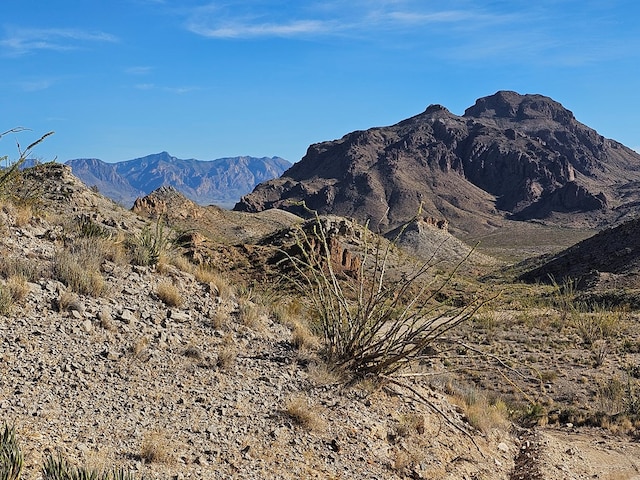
[(11, 459), (156, 448), (58, 468), (78, 267), (372, 324), (148, 247), (299, 410), (168, 293)]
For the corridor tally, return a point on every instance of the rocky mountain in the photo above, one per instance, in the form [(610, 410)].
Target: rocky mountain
[(222, 181), (520, 157)]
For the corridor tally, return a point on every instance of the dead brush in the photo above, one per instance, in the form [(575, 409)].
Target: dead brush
[(169, 294), (299, 410), (155, 448)]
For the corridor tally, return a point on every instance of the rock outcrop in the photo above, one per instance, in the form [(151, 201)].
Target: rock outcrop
[(509, 156)]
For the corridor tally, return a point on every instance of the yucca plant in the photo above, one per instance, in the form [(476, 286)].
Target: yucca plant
[(11, 460), (148, 246), (58, 468)]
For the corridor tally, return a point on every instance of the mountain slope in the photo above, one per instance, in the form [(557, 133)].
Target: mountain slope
[(509, 156), (222, 181), (609, 259)]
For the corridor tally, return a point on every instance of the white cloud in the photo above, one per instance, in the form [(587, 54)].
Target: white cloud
[(252, 20), (176, 90), (20, 41), (36, 85), (247, 30), (139, 70)]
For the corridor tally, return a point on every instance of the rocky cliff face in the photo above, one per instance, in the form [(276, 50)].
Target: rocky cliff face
[(222, 181), (509, 156)]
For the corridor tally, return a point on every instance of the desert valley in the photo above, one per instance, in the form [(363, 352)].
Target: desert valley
[(449, 297)]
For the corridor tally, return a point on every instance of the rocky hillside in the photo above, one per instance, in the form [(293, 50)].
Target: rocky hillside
[(222, 181), (510, 156), (176, 372), (608, 260)]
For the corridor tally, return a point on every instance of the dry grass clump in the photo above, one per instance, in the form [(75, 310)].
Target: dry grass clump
[(227, 353), (301, 412), (18, 287), (139, 348), (168, 293), (6, 300), (14, 290), (251, 315), (482, 413), (156, 448), (69, 301), (302, 338), (218, 284), (31, 269), (78, 266)]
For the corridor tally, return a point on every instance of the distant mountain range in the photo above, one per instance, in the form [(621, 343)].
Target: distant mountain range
[(221, 182), (510, 156)]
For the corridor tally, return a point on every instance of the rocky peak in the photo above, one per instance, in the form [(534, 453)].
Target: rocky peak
[(514, 106)]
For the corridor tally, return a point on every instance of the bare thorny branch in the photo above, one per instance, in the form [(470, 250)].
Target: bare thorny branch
[(376, 326)]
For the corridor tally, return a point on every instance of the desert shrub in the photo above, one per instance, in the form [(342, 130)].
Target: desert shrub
[(150, 244), (155, 448), (58, 468), (10, 174), (597, 324), (11, 460), (299, 410), (169, 294), (373, 323), (78, 267)]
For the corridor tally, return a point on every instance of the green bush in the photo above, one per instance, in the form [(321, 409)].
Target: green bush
[(150, 244)]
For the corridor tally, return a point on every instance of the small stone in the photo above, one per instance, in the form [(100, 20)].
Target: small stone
[(127, 316), (87, 326), (503, 447), (177, 316)]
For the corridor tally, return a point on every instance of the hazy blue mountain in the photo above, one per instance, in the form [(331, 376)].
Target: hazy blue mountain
[(221, 182)]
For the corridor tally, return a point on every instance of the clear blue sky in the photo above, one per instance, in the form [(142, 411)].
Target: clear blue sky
[(120, 79)]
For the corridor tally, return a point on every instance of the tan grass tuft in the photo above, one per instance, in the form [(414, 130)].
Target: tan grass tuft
[(302, 338), (156, 448), (168, 293), (298, 408)]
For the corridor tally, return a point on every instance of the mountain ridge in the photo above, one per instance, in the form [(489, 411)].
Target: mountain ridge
[(220, 181)]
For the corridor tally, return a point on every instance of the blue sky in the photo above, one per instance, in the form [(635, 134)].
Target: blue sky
[(206, 79)]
